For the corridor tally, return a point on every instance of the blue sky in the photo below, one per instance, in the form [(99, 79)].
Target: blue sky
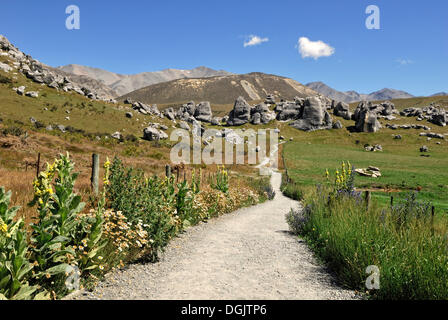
[(409, 52)]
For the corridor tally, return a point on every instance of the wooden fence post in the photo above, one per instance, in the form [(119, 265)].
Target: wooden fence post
[(391, 201), (432, 219), (95, 172), (168, 171), (368, 197), (38, 166)]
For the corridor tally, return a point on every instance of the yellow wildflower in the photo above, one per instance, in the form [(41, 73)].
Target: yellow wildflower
[(4, 227)]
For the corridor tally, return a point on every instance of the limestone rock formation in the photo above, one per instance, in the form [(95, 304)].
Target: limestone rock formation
[(313, 116)]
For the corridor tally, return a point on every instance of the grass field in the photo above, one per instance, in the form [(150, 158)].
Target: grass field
[(402, 166)]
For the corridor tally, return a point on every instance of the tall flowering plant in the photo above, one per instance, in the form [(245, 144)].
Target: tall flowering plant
[(62, 239), (15, 267), (222, 180), (344, 180)]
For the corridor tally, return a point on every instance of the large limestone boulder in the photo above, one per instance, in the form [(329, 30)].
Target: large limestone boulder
[(314, 116), (190, 107), (153, 134), (342, 109), (240, 113), (388, 108), (261, 114), (169, 113), (203, 112), (439, 118), (366, 118), (289, 110)]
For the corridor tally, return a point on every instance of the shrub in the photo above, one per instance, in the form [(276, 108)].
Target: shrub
[(61, 239), (151, 201), (293, 191), (262, 186), (222, 180), (39, 125), (13, 131), (410, 211), (5, 80), (15, 268), (298, 219)]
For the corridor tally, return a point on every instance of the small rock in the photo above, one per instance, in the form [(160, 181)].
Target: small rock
[(116, 135), (32, 94), (21, 90)]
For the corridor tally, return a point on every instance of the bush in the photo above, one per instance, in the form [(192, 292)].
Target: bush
[(13, 131), (61, 239), (15, 268), (293, 191), (149, 201), (262, 186), (298, 219), (5, 80), (222, 180)]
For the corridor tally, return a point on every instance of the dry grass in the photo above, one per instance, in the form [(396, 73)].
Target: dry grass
[(15, 152)]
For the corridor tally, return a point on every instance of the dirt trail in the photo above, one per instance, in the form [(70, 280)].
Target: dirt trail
[(248, 254)]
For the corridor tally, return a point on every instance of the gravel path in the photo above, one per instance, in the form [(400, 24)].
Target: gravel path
[(248, 254)]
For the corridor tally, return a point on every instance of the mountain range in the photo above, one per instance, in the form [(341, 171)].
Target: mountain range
[(353, 96), (122, 84)]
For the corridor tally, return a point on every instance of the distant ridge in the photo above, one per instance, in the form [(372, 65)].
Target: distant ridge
[(440, 94), (353, 96), (123, 84)]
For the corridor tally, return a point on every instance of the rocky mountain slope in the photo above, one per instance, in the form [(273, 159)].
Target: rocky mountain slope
[(353, 96), (55, 78), (123, 84), (222, 89)]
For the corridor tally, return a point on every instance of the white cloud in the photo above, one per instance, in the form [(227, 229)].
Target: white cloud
[(314, 49), (405, 62), (254, 40)]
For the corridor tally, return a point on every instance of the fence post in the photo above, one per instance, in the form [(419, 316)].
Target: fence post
[(368, 197), (168, 171), (95, 172), (391, 201), (38, 166), (432, 220)]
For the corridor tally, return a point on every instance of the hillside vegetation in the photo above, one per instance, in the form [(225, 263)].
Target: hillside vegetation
[(221, 90)]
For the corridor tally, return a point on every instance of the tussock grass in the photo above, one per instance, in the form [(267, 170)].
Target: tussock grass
[(412, 256)]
